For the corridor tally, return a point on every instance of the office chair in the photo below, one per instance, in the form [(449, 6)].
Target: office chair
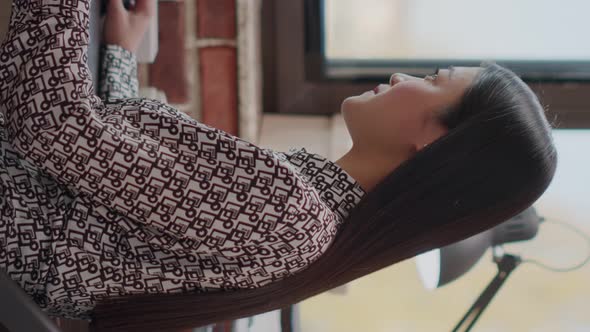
[(18, 311)]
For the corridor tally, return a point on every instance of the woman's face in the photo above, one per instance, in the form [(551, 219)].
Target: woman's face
[(400, 116)]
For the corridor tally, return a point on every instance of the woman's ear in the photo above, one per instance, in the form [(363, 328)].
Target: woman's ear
[(420, 145), (433, 131)]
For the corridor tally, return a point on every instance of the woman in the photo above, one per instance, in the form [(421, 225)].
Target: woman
[(174, 224)]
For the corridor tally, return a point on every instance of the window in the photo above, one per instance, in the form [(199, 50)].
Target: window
[(539, 40), (318, 52)]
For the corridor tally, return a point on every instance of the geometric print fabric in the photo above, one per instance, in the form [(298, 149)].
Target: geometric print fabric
[(122, 195)]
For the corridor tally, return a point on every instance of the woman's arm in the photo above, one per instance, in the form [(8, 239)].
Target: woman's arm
[(139, 157), (123, 31), (118, 73)]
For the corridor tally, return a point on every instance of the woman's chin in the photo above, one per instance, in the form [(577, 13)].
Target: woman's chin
[(355, 102), (346, 105)]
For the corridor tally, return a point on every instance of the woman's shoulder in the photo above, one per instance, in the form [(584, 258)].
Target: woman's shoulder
[(335, 186)]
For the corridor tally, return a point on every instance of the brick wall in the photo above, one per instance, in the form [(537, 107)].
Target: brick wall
[(197, 63)]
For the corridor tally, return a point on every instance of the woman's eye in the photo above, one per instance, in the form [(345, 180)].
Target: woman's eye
[(433, 76)]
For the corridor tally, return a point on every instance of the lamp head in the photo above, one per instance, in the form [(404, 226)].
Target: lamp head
[(441, 266)]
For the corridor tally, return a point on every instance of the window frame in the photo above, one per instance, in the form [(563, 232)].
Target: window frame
[(293, 80)]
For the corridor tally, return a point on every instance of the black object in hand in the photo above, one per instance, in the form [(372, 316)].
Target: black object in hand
[(128, 4)]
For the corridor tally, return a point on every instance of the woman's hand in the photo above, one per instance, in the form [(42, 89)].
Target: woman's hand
[(126, 28)]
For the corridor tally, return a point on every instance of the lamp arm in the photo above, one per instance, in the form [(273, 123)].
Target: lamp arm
[(505, 266)]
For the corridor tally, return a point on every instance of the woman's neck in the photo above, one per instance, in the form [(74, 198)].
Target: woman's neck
[(368, 170)]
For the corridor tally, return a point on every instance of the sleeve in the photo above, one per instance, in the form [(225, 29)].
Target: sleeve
[(182, 177), (118, 73), (142, 158)]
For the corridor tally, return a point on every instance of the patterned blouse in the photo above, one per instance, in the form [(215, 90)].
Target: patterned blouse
[(120, 195)]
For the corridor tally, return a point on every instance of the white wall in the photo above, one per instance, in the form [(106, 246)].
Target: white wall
[(324, 135)]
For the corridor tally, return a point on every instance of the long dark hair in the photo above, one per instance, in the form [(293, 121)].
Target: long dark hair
[(496, 160)]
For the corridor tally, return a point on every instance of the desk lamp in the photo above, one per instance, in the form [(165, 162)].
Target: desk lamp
[(441, 266)]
